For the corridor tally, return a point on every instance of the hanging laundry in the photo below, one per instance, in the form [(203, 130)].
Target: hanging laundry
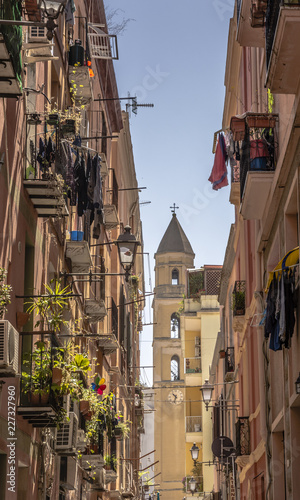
[(81, 186), (70, 180), (69, 12), (218, 176), (41, 154), (280, 310)]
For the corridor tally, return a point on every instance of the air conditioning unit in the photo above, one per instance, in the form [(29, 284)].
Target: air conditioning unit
[(197, 340), (37, 46), (66, 437), (9, 348), (81, 442), (37, 34)]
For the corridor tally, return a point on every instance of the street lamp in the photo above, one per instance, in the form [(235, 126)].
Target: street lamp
[(127, 246), (194, 452), (192, 485), (206, 390)]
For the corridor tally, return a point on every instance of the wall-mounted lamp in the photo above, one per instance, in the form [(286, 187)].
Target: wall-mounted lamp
[(127, 246), (194, 453), (297, 384), (206, 390), (192, 485)]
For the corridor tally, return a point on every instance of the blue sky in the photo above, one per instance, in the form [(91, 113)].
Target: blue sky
[(173, 54)]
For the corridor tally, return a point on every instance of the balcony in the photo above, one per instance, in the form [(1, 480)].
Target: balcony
[(47, 197), (242, 429), (192, 365), (79, 254), (10, 50), (235, 197), (111, 219), (229, 364), (257, 157), (108, 343), (38, 403), (193, 424), (258, 13), (282, 46), (239, 298), (80, 84), (247, 34), (95, 310)]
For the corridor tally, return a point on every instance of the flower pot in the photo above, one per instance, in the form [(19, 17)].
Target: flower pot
[(39, 399), (56, 376), (76, 235), (53, 119), (22, 318), (222, 354), (261, 121)]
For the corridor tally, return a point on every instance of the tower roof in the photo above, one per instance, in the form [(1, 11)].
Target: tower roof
[(174, 239)]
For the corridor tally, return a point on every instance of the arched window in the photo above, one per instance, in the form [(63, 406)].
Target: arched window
[(175, 326), (175, 368), (175, 277)]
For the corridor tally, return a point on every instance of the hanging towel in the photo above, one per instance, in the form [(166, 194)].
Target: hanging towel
[(218, 176)]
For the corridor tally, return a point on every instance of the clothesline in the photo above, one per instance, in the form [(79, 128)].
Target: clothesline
[(79, 147)]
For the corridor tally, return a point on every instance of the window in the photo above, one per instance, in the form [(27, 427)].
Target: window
[(175, 332), (175, 368), (175, 277)]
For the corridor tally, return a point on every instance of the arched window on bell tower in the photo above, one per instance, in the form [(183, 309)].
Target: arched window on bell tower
[(175, 326), (175, 277), (175, 375)]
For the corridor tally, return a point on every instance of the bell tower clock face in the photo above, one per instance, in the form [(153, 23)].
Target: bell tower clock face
[(175, 397)]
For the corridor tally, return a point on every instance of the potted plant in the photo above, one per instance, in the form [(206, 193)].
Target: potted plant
[(122, 429), (222, 353), (37, 373), (110, 462), (238, 302), (50, 306)]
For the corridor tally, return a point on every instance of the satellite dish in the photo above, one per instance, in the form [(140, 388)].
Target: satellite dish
[(222, 447)]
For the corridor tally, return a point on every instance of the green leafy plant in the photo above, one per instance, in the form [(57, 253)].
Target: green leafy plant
[(123, 428), (5, 292), (50, 306), (111, 461)]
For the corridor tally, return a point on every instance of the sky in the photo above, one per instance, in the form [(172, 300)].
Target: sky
[(172, 54)]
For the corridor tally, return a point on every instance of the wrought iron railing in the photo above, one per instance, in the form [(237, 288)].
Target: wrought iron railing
[(193, 424), (272, 15), (229, 360), (239, 298), (242, 429), (192, 365), (235, 173), (257, 153)]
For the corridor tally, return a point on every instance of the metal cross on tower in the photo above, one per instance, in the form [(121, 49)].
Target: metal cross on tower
[(173, 208)]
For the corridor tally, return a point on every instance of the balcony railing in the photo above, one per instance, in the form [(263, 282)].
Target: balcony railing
[(193, 424), (238, 298), (257, 154), (229, 363), (282, 40), (242, 429), (238, 9), (38, 402), (192, 365)]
